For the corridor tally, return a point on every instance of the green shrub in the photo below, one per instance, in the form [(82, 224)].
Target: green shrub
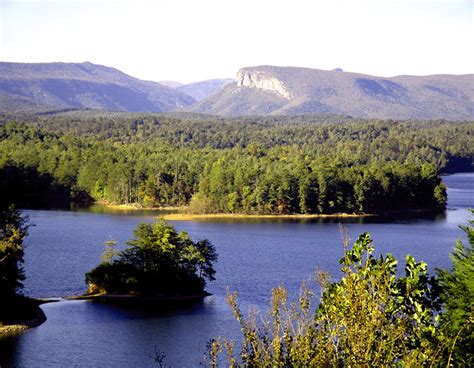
[(13, 229), (457, 294), (370, 317)]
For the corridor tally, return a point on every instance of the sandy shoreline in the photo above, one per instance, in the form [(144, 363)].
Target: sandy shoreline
[(189, 217), (179, 214)]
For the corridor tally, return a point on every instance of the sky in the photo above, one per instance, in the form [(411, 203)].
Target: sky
[(192, 40)]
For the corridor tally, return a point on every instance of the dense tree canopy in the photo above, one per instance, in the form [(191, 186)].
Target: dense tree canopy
[(158, 261), (302, 164)]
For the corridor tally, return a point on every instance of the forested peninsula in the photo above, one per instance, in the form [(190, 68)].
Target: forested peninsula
[(251, 165)]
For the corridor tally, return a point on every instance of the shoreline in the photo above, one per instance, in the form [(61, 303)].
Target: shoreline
[(180, 214), (190, 216)]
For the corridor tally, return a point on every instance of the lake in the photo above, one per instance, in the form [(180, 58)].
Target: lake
[(254, 257)]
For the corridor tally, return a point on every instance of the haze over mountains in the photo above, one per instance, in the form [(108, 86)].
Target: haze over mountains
[(82, 85), (258, 90), (201, 90)]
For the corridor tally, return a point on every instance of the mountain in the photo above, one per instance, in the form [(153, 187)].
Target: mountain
[(289, 90), (41, 86), (262, 90), (203, 89)]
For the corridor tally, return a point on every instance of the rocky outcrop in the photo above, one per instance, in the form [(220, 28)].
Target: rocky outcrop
[(260, 80), (94, 289)]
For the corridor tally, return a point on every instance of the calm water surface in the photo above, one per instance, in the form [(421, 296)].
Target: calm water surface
[(254, 256)]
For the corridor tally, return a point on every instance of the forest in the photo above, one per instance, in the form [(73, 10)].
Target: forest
[(255, 165)]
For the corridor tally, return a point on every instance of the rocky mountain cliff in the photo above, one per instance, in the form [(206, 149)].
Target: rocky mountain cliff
[(290, 90), (82, 85)]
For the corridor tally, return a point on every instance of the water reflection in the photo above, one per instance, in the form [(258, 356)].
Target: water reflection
[(98, 208), (379, 219)]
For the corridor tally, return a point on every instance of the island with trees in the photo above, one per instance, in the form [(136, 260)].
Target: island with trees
[(159, 265)]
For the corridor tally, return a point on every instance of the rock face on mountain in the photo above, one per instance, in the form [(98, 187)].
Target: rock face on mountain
[(289, 90), (261, 80), (82, 85)]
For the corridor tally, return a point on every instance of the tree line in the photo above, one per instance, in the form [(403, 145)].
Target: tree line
[(247, 165)]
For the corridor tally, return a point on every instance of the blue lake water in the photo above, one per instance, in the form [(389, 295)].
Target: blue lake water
[(254, 257)]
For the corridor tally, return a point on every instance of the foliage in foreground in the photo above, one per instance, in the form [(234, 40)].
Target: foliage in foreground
[(457, 288), (14, 308), (13, 229), (158, 261), (369, 318)]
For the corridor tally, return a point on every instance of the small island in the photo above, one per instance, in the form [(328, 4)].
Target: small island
[(159, 267)]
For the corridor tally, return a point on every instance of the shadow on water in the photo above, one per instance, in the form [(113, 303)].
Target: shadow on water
[(144, 309), (8, 350), (81, 333), (84, 333), (102, 209), (377, 219)]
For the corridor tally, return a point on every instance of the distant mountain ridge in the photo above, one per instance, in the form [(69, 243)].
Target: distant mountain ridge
[(25, 86), (262, 90), (270, 90)]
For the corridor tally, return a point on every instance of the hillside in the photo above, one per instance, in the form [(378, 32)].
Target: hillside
[(263, 90), (289, 91), (42, 86)]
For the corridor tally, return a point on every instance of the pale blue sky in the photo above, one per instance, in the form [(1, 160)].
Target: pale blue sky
[(190, 40)]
